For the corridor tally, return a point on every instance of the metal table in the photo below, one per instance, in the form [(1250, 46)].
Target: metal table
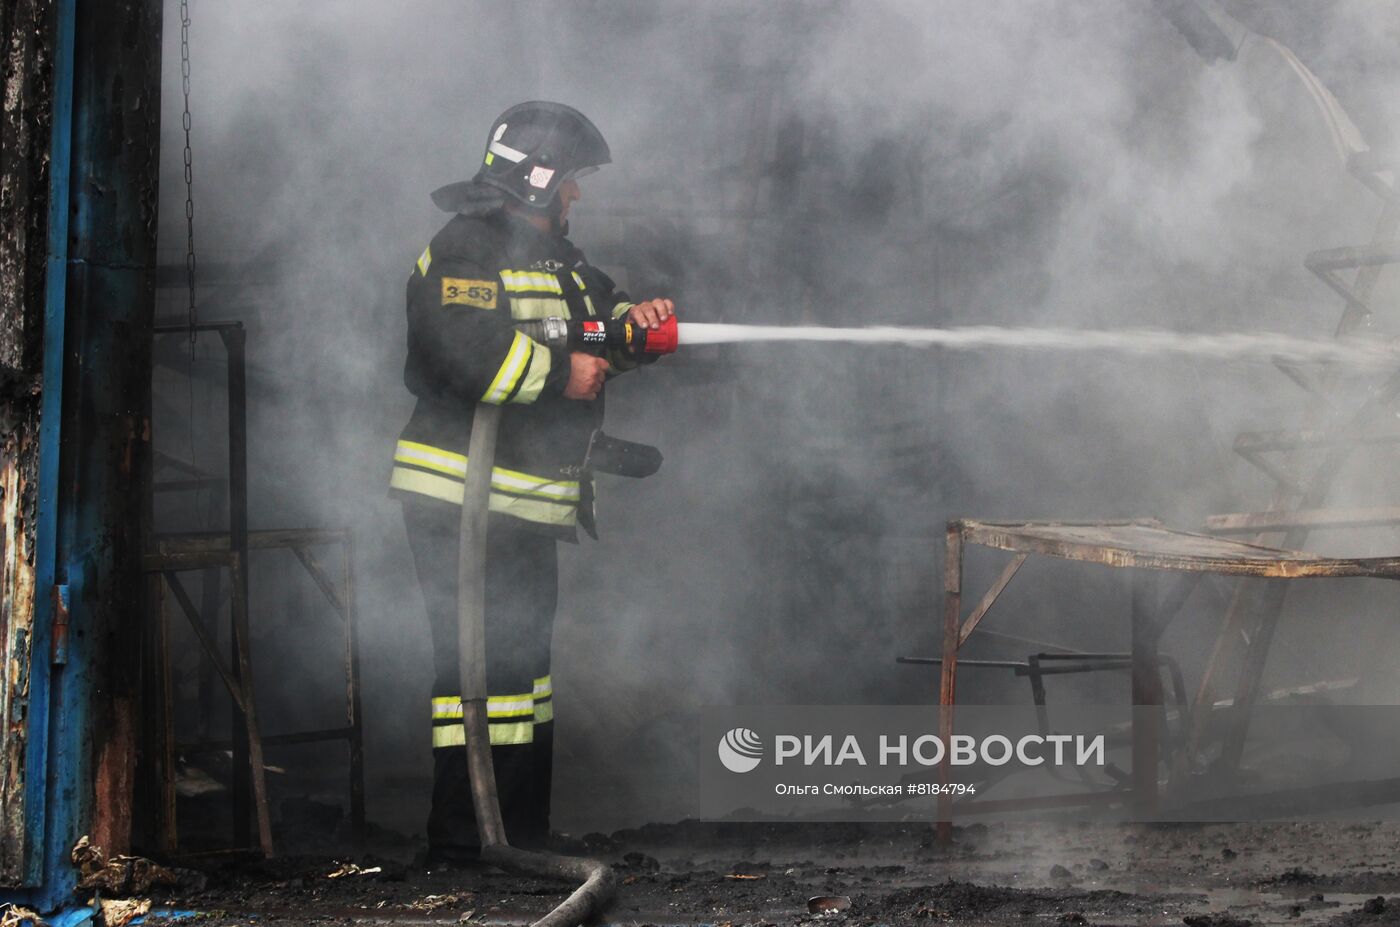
[(1142, 545)]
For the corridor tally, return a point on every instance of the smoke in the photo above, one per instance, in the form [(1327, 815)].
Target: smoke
[(1068, 165)]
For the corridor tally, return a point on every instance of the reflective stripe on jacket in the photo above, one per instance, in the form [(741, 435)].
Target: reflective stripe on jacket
[(477, 278)]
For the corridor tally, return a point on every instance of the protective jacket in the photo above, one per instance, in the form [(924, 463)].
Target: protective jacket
[(481, 274)]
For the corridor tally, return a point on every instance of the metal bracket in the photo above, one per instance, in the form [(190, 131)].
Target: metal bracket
[(58, 643)]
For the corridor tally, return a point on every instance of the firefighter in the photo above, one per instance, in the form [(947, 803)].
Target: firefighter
[(502, 258)]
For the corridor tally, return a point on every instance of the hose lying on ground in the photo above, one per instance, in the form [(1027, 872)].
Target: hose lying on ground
[(599, 883)]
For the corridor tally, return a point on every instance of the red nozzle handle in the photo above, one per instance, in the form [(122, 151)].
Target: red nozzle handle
[(664, 339)]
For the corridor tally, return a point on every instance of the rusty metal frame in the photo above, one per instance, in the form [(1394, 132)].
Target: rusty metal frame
[(189, 548), (1327, 265), (1312, 519), (201, 551), (1146, 547), (1295, 508), (240, 686)]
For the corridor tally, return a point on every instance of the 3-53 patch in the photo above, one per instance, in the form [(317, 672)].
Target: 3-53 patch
[(478, 293)]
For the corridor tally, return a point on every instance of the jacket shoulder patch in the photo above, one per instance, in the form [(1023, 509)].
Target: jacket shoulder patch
[(478, 293)]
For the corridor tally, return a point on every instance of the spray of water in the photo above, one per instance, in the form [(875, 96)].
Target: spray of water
[(1247, 346)]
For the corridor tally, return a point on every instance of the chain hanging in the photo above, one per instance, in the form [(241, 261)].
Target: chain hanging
[(189, 207), (189, 162)]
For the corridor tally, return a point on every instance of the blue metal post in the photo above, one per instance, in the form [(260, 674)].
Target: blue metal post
[(40, 869), (98, 309)]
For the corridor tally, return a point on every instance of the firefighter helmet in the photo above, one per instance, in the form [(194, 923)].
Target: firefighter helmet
[(535, 147)]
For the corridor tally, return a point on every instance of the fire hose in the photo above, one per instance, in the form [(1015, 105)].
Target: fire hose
[(599, 883)]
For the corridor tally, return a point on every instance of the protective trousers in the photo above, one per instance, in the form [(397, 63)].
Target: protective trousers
[(522, 580)]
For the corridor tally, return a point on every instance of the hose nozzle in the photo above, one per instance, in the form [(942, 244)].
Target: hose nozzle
[(599, 334)]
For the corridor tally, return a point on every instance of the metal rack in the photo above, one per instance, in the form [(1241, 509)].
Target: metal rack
[(1300, 491), (210, 553)]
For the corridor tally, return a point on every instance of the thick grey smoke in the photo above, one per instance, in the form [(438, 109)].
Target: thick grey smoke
[(1061, 164)]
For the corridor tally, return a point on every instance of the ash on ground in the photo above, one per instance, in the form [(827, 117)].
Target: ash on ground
[(1335, 874)]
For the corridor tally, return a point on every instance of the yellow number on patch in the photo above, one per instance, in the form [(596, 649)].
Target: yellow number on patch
[(478, 293)]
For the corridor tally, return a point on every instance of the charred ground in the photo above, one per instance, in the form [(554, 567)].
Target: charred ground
[(1342, 874)]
